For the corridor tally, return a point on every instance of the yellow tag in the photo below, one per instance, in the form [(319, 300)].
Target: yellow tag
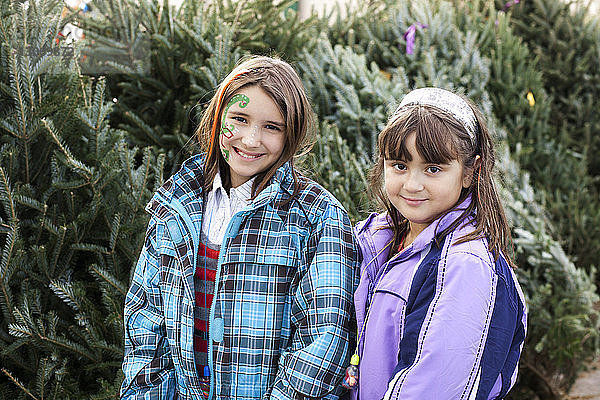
[(530, 99), (354, 360)]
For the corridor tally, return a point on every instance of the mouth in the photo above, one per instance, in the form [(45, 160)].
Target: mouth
[(247, 156), (413, 202)]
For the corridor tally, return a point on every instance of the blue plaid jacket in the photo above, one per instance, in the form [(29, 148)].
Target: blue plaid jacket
[(282, 310)]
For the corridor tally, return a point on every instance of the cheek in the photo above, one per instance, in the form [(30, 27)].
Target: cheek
[(275, 143), (228, 131), (228, 135), (391, 183)]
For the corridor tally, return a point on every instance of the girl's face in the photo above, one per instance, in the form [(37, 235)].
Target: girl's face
[(252, 134), (422, 191)]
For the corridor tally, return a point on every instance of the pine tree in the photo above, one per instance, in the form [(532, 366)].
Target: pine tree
[(566, 40), (72, 197)]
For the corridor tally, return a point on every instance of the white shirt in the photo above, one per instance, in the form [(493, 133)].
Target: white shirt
[(221, 207)]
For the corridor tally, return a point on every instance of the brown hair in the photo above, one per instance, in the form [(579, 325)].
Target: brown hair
[(440, 138), (281, 82)]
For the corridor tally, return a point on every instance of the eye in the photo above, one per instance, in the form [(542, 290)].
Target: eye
[(399, 166), (433, 169), (273, 127), (239, 119)]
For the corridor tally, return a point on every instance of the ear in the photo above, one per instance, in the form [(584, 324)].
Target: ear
[(469, 175)]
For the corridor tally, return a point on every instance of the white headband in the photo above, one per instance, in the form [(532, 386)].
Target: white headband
[(445, 101)]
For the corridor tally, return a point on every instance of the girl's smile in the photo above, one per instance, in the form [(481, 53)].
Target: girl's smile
[(247, 155), (413, 202)]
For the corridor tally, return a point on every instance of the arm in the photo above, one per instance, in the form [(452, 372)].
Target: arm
[(321, 311), (449, 311), (147, 365)]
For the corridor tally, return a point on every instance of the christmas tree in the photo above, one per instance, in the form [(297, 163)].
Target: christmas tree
[(72, 197)]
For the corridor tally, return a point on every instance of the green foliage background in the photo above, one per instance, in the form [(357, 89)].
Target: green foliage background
[(77, 167)]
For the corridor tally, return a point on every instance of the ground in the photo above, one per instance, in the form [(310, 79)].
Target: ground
[(587, 385)]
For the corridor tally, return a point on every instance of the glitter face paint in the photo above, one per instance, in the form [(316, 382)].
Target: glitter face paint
[(228, 130), (252, 138)]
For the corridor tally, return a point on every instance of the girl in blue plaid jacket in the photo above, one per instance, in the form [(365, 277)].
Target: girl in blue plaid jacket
[(244, 286)]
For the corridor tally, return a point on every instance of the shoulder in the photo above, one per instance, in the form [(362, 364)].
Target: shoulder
[(317, 202), (184, 185), (468, 256), (474, 260), (374, 223)]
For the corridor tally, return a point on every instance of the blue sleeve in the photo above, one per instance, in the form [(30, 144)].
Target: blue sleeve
[(147, 363)]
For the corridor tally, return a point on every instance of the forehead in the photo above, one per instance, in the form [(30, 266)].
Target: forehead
[(260, 106), (420, 142)]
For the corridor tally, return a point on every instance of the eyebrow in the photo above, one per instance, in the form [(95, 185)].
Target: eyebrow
[(243, 114)]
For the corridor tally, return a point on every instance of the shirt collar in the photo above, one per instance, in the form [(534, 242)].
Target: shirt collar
[(242, 192)]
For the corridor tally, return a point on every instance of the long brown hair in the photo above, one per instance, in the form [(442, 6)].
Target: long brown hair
[(440, 138), (281, 82)]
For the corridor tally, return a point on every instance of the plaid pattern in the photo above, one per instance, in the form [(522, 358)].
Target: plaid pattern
[(282, 310)]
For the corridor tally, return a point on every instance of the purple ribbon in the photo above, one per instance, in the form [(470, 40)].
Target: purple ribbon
[(510, 4), (409, 36)]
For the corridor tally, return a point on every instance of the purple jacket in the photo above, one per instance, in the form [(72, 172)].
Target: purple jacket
[(446, 322)]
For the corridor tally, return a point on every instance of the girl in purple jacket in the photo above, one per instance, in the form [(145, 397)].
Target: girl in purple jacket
[(440, 313)]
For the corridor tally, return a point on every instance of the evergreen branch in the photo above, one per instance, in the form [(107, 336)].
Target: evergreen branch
[(100, 109), (158, 171), (114, 350), (196, 38), (6, 195), (14, 75), (94, 248), (143, 126), (49, 225), (9, 244), (22, 330), (126, 163), (68, 345), (57, 247), (114, 231), (108, 278), (70, 185), (19, 384), (30, 86), (32, 203), (146, 164), (76, 164), (64, 290), (10, 128), (19, 330)]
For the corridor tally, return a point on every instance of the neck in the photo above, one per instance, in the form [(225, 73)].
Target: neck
[(413, 231)]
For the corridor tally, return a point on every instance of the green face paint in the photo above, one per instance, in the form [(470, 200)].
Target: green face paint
[(228, 130)]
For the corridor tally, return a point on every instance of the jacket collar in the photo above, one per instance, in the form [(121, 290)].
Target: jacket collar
[(185, 187), (376, 232)]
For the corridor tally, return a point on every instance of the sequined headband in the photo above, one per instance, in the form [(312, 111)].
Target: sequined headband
[(445, 101)]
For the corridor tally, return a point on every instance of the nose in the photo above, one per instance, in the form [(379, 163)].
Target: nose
[(251, 137), (413, 182)]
